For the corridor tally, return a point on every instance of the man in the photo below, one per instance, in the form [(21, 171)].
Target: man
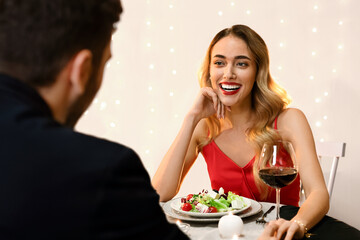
[(56, 183)]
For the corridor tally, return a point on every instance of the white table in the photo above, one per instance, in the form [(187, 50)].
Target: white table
[(209, 231)]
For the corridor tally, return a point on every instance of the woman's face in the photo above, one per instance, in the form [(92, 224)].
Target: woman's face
[(232, 71)]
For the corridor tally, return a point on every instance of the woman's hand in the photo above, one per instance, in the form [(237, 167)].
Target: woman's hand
[(208, 103), (269, 232), (288, 229)]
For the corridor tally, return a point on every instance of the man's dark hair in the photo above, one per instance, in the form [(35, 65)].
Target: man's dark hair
[(38, 37)]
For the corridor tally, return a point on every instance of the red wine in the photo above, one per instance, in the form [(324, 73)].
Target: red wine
[(278, 177)]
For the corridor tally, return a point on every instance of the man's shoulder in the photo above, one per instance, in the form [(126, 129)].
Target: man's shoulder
[(99, 147), (87, 139)]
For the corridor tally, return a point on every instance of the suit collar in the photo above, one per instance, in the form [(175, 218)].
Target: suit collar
[(23, 92)]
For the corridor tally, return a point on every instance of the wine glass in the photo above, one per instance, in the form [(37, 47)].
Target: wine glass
[(277, 166)]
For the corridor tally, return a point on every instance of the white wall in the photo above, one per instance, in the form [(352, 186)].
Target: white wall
[(151, 80)]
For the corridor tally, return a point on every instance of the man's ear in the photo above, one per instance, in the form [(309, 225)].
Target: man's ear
[(80, 71)]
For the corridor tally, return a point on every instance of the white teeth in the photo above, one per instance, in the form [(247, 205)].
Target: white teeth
[(227, 87)]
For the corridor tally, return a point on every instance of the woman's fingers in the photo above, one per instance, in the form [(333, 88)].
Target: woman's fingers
[(218, 106), (287, 229), (211, 95), (269, 232), (293, 228), (220, 110), (271, 229), (283, 226)]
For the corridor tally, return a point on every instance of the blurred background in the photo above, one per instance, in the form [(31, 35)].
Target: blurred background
[(151, 80)]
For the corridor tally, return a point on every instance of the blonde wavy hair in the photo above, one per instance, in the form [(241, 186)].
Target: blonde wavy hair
[(268, 98)]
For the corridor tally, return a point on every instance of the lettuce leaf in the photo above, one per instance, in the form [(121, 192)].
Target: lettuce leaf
[(218, 204)]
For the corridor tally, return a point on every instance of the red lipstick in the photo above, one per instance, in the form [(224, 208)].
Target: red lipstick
[(229, 88)]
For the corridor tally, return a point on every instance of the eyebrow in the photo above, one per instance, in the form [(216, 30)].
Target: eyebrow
[(237, 57)]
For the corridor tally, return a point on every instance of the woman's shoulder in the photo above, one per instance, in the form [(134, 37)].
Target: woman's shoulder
[(291, 118), (291, 113)]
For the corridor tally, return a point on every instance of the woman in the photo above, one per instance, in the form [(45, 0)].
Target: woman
[(240, 107)]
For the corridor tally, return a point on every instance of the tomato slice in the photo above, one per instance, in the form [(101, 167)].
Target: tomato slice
[(186, 207), (189, 197), (212, 210)]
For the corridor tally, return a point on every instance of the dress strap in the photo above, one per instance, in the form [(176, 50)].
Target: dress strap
[(275, 123)]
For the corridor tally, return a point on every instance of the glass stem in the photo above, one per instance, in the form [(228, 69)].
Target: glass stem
[(277, 203)]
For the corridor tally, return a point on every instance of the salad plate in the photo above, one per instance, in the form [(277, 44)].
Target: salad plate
[(254, 208), (176, 206)]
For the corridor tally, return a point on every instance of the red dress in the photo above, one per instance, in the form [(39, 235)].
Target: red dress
[(225, 173)]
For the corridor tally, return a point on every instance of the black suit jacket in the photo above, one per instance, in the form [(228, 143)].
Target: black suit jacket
[(56, 183)]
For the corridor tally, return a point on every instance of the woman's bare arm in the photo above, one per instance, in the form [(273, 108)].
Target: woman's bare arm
[(294, 127), (182, 153)]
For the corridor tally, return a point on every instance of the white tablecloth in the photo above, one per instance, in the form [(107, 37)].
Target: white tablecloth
[(209, 231)]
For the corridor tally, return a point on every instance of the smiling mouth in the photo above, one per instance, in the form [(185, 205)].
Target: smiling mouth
[(229, 87)]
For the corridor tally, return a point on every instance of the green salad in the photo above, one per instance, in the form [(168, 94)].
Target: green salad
[(212, 202)]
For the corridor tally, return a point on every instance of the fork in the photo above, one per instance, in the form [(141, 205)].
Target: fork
[(262, 218)]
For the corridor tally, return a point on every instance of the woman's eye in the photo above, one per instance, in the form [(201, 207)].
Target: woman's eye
[(219, 63), (242, 64)]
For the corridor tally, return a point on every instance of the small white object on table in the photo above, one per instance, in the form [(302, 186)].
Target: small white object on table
[(230, 226)]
